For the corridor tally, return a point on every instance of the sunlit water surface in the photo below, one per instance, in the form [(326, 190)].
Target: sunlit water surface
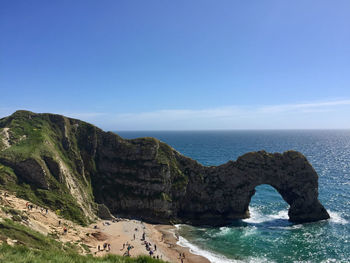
[(268, 236)]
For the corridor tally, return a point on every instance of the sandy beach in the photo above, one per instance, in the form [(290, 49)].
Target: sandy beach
[(161, 238), (119, 234)]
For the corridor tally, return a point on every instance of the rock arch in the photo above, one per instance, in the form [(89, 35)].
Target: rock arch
[(230, 187)]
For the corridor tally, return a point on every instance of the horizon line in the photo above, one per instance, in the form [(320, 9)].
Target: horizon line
[(262, 129)]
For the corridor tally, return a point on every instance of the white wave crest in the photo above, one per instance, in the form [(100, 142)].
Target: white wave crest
[(337, 219), (223, 231), (213, 257), (256, 217)]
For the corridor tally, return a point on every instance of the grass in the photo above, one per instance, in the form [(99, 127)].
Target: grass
[(36, 136), (28, 237), (73, 142), (16, 214), (166, 156), (20, 254), (35, 247), (57, 200), (86, 248)]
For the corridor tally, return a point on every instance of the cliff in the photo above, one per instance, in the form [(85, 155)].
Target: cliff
[(71, 165)]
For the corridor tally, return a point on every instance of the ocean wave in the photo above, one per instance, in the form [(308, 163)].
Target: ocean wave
[(256, 217), (213, 257), (336, 218), (223, 231)]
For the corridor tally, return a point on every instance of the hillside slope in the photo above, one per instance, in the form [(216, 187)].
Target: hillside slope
[(71, 165)]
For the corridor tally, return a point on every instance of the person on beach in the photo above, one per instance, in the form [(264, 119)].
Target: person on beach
[(65, 230)]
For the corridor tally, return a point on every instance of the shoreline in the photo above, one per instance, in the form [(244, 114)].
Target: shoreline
[(117, 233), (171, 239), (161, 240)]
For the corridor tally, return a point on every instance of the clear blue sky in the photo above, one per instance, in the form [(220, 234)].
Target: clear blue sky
[(182, 64)]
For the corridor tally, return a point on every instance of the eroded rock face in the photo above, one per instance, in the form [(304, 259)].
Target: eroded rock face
[(103, 212), (148, 179), (228, 189), (30, 171)]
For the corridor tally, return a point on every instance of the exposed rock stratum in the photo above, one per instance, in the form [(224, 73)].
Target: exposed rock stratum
[(144, 177)]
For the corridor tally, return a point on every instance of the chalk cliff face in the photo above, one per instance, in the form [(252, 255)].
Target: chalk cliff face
[(146, 178)]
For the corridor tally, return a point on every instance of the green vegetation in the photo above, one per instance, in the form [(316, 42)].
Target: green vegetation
[(42, 136), (28, 237), (53, 161), (166, 156), (166, 197), (30, 245), (7, 176), (60, 201), (20, 254), (16, 214), (86, 248)]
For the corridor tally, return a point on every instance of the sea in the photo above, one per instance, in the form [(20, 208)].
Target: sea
[(268, 236)]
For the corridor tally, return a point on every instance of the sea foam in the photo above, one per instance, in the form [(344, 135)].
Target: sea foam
[(337, 219), (213, 257), (256, 217)]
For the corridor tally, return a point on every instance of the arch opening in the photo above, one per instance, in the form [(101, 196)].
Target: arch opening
[(267, 207)]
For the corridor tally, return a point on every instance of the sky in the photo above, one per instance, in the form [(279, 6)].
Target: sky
[(179, 65)]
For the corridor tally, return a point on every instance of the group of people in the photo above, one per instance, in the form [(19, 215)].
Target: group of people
[(148, 247), (128, 247), (44, 211), (151, 251), (105, 247), (30, 207), (182, 256)]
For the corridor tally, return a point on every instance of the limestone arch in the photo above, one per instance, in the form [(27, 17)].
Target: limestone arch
[(291, 175), (228, 189)]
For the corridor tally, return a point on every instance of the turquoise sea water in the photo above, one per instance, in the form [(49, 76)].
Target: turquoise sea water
[(268, 236)]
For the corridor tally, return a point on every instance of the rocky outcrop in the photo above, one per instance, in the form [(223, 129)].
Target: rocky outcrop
[(178, 189), (31, 172), (103, 212), (148, 179), (227, 189)]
